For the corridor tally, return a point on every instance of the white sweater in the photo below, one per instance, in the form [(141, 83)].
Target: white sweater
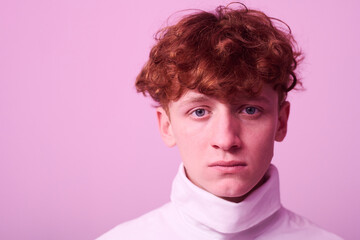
[(194, 214)]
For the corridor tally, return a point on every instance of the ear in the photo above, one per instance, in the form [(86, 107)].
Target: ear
[(165, 127), (282, 121)]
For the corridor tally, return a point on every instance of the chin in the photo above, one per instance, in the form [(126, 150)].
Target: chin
[(238, 191), (230, 192), (236, 198)]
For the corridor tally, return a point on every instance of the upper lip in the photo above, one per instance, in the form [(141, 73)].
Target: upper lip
[(232, 163)]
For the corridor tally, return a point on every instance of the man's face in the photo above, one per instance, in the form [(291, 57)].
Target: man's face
[(226, 148)]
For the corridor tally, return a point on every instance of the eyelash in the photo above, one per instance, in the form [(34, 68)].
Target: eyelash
[(242, 110), (257, 110), (193, 113)]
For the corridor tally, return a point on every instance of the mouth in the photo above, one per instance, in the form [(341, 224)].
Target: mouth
[(228, 166)]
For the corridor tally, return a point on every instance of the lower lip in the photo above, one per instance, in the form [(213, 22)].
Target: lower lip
[(229, 169)]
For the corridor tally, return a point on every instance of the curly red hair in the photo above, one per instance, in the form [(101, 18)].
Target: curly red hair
[(220, 54)]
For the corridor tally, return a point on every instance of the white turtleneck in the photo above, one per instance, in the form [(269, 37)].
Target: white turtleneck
[(194, 214)]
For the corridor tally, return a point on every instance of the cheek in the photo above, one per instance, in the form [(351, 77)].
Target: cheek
[(194, 152), (192, 129), (191, 146), (261, 138), (188, 132), (265, 129)]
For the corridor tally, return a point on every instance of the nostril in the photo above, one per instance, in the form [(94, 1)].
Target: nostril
[(215, 146), (234, 149), (235, 146)]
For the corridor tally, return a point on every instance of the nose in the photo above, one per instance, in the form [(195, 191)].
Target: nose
[(226, 132)]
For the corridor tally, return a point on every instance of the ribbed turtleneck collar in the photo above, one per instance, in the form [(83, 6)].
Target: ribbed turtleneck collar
[(213, 213)]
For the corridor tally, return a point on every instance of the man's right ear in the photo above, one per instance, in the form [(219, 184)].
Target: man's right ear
[(165, 127)]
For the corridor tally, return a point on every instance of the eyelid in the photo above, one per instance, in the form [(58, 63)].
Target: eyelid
[(258, 108), (192, 111)]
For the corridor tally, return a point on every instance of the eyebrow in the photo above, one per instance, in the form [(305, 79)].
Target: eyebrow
[(204, 98), (256, 98), (196, 99)]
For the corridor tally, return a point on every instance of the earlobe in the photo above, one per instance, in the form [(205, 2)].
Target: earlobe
[(282, 121), (165, 127)]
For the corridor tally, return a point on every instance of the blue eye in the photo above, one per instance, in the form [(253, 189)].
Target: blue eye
[(251, 110), (200, 112)]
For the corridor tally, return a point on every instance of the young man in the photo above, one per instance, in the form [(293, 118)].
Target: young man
[(221, 81)]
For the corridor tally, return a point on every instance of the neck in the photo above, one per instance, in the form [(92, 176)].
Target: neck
[(225, 215)]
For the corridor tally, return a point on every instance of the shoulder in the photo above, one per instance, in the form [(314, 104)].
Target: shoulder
[(291, 226), (147, 226)]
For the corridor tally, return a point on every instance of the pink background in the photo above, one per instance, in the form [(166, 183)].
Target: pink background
[(80, 150)]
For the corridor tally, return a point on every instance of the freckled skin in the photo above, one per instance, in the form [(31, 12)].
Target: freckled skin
[(207, 130)]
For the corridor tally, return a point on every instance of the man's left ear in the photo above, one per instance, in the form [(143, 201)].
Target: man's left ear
[(282, 121)]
